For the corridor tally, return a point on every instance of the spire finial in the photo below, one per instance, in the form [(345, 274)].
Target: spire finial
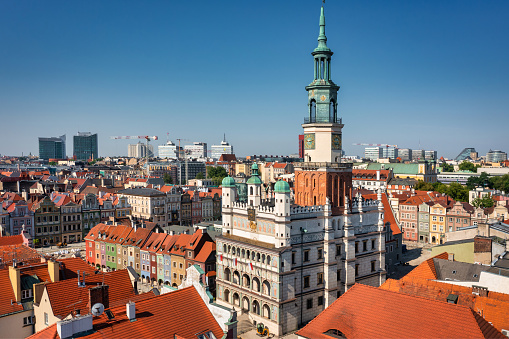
[(322, 39)]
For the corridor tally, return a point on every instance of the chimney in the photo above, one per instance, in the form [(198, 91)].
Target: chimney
[(130, 311), (378, 175), (99, 294), (73, 327), (450, 256), (15, 278), (54, 270), (79, 285), (83, 278)]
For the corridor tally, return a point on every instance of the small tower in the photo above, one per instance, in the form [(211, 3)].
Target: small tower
[(282, 197), (254, 187), (229, 195)]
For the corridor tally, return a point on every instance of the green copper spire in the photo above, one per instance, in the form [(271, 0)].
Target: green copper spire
[(322, 39)]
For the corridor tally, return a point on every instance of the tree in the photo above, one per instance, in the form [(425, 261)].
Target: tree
[(52, 163), (447, 167), (468, 166), (484, 202), (457, 191), (481, 180), (216, 172), (167, 178), (423, 186), (200, 176), (500, 183), (439, 187)]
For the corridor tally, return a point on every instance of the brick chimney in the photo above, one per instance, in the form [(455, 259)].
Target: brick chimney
[(99, 294), (54, 270)]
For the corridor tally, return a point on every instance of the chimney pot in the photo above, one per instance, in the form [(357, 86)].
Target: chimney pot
[(131, 311)]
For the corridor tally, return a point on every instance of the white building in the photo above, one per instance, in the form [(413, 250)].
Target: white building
[(217, 150), (373, 153), (168, 151), (139, 150), (197, 150)]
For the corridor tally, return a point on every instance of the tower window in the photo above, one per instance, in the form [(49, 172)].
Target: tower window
[(312, 111)]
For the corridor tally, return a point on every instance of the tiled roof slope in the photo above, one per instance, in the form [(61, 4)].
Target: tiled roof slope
[(66, 296), (189, 316), (70, 266), (7, 295), (370, 312), (21, 253), (427, 269), (205, 251), (494, 307), (11, 240)]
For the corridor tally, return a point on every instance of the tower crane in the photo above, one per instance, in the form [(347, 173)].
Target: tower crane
[(132, 137), (380, 145)]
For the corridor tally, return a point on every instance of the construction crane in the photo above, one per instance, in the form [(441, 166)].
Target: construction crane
[(132, 137)]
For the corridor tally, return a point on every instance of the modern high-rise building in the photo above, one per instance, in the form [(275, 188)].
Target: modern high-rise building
[(496, 156), (465, 154), (139, 150), (418, 154), (218, 150), (85, 146), (405, 154), (168, 151), (197, 150), (52, 148), (373, 153), (430, 155), (390, 152), (301, 145)]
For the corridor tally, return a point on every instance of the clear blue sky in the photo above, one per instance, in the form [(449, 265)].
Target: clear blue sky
[(434, 72)]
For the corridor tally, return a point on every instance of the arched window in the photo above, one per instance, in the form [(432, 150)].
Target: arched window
[(227, 295), (266, 311), (224, 248), (245, 303), (256, 307), (312, 111), (236, 299), (256, 284), (263, 258), (227, 274), (246, 281), (332, 111), (243, 253), (233, 250), (266, 287), (268, 260), (251, 190), (258, 257)]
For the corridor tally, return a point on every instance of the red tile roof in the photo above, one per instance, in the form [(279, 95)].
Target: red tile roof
[(21, 253), (388, 213), (494, 307), (207, 249), (11, 240), (7, 299), (66, 296), (370, 312), (427, 270), (153, 319)]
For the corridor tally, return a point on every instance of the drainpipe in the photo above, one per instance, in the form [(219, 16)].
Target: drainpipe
[(302, 231)]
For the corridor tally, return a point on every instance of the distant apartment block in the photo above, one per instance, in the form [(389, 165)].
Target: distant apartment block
[(52, 148), (169, 151), (373, 153), (430, 155), (405, 154), (85, 146), (390, 152), (139, 150), (197, 150), (218, 150), (496, 156)]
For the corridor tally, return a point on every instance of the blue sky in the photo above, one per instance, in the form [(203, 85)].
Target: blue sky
[(428, 72)]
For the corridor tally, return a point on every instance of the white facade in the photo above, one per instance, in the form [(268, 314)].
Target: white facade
[(139, 150), (373, 153), (284, 264), (197, 150), (218, 150), (168, 151)]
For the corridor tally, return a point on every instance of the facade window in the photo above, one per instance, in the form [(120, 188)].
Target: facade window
[(27, 320), (364, 245), (356, 247), (306, 281), (306, 255), (356, 270), (373, 244), (434, 218), (338, 275), (25, 294), (293, 258), (320, 253), (319, 278), (46, 321), (309, 303), (434, 227), (338, 250), (373, 264), (320, 300)]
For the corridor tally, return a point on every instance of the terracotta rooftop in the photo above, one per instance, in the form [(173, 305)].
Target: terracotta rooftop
[(494, 307), (188, 318), (370, 312), (11, 240), (427, 269), (206, 250), (21, 253), (66, 296)]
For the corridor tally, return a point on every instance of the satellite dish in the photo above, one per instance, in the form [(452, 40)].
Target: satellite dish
[(97, 309)]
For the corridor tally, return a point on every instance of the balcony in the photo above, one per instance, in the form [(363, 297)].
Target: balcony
[(323, 120)]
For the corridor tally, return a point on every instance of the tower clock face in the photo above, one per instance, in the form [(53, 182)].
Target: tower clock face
[(336, 141), (309, 141)]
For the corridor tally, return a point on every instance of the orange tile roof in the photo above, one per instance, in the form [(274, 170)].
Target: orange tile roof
[(21, 253), (7, 299), (70, 266), (66, 296), (207, 249), (154, 242), (11, 240), (388, 213), (153, 319), (427, 269), (370, 312), (494, 307)]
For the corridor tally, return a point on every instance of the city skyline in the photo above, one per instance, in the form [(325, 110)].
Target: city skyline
[(431, 70)]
